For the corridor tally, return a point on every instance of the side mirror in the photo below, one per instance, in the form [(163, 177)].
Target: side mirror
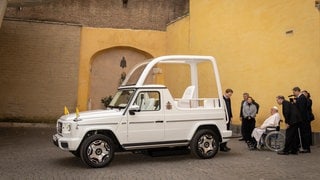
[(133, 109)]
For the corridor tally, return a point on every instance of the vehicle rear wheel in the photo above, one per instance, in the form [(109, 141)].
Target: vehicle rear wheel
[(97, 151), (204, 144)]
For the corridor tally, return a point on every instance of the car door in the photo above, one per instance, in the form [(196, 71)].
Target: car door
[(147, 124)]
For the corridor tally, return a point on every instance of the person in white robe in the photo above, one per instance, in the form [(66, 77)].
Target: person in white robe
[(273, 120)]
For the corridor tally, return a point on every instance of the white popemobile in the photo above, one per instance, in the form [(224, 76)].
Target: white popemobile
[(145, 116)]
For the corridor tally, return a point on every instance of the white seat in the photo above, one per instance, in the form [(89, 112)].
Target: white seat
[(186, 100), (150, 104), (188, 92), (141, 100), (208, 103)]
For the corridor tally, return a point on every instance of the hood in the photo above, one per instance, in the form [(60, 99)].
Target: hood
[(94, 115)]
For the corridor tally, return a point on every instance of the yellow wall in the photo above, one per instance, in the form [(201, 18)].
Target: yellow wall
[(262, 47), (94, 40), (178, 40)]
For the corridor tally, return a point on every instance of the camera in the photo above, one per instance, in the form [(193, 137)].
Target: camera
[(292, 98)]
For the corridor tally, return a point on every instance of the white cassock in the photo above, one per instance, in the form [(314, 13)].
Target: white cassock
[(273, 120)]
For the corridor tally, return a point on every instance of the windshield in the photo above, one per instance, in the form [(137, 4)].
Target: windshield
[(121, 98), (134, 77), (135, 74)]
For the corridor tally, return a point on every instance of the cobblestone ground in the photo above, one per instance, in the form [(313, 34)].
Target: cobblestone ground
[(28, 153)]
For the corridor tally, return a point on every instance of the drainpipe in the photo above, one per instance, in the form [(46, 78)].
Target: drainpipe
[(3, 7)]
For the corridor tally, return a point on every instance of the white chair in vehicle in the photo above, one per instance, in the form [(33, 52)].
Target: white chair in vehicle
[(142, 100), (149, 104), (186, 100), (208, 103)]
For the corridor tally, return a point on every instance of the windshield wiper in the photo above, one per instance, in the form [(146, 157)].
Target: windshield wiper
[(117, 107), (112, 107)]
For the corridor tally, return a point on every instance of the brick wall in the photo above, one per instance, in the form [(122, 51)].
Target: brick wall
[(38, 69), (137, 14), (39, 58)]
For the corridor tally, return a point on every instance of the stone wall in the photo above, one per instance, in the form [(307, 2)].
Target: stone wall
[(38, 69), (40, 49), (136, 14)]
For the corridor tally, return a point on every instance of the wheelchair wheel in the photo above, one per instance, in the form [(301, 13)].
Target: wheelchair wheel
[(275, 141)]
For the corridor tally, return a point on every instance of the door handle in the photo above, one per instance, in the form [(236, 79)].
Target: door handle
[(159, 121)]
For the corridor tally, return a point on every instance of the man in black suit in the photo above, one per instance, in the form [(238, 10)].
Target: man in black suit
[(305, 127), (227, 101), (292, 119)]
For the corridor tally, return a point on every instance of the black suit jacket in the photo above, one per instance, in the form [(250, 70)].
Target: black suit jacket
[(228, 106), (302, 105), (291, 113)]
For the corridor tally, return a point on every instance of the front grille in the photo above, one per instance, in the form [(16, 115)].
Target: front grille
[(59, 128)]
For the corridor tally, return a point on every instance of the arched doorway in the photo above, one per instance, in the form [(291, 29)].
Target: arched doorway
[(105, 72)]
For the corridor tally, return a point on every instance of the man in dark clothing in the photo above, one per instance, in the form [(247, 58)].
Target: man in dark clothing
[(310, 113), (292, 119), (305, 127), (227, 100)]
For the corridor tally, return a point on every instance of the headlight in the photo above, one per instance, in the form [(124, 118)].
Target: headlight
[(66, 128)]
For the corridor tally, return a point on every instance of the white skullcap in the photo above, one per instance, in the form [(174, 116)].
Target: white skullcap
[(275, 107)]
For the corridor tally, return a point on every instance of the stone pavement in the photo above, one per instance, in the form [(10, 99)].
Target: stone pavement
[(28, 153)]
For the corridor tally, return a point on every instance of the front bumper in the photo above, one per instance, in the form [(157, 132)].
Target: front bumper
[(69, 144)]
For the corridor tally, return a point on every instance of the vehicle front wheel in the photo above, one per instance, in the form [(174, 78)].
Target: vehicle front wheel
[(97, 151), (204, 144)]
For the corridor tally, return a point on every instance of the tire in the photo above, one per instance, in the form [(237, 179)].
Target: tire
[(97, 151), (275, 141), (204, 144), (76, 153)]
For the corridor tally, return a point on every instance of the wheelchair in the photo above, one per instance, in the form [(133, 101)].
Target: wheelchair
[(273, 139)]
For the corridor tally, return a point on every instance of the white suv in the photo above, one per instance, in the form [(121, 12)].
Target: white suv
[(145, 116)]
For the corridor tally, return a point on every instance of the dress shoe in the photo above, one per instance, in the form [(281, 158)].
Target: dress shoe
[(283, 153), (305, 151), (225, 149)]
